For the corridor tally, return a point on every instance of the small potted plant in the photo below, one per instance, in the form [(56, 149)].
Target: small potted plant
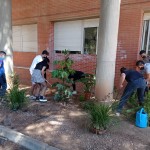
[(88, 82), (100, 117)]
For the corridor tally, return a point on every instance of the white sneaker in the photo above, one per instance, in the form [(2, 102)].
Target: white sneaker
[(42, 99), (117, 114), (32, 97), (74, 92)]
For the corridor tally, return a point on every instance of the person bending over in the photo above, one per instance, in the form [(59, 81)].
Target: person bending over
[(135, 81), (36, 60), (77, 75), (38, 78)]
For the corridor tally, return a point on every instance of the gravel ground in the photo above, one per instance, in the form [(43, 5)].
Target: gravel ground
[(66, 127)]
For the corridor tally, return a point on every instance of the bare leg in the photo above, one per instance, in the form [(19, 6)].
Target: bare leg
[(43, 89), (37, 89), (33, 89)]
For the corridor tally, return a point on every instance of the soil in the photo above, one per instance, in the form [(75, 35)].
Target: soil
[(67, 127)]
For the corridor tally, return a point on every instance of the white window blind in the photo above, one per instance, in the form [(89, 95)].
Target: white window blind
[(25, 38), (68, 35), (17, 40)]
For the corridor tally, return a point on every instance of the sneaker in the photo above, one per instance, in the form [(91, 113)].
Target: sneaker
[(42, 99), (37, 98), (117, 114), (74, 92), (32, 97)]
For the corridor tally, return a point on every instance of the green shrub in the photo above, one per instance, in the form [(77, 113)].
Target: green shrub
[(88, 105), (81, 98), (88, 81), (63, 92), (14, 80), (147, 104), (63, 87), (15, 97), (100, 116)]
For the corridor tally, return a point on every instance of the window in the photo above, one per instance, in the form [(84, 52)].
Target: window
[(90, 40), (25, 38), (146, 37), (78, 36)]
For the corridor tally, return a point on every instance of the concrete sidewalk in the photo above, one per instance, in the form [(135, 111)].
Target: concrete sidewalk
[(24, 140)]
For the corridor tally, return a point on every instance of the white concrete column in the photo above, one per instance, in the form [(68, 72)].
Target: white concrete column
[(6, 34), (107, 47)]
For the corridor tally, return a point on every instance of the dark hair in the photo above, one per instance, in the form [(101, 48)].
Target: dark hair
[(45, 52), (141, 52), (2, 52), (45, 59), (123, 69), (140, 62)]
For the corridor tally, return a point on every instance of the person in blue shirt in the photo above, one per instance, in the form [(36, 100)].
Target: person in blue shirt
[(3, 82), (135, 81)]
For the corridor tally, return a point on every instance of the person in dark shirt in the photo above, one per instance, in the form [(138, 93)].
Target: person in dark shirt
[(38, 77), (77, 75), (135, 81)]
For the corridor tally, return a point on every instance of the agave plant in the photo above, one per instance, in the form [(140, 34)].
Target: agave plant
[(100, 116)]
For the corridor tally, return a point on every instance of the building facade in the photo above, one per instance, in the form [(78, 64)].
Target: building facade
[(73, 25)]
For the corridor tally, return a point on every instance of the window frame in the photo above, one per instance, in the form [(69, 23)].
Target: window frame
[(85, 23), (96, 39)]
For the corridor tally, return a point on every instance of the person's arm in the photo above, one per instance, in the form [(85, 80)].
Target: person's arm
[(122, 79), (1, 68), (1, 63), (148, 79), (147, 73), (43, 71)]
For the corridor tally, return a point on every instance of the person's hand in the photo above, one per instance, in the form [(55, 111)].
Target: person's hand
[(148, 84), (121, 86)]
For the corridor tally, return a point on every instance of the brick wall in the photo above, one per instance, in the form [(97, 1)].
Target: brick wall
[(128, 39), (46, 12)]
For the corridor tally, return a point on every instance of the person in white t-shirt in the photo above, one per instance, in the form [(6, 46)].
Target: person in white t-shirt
[(35, 61)]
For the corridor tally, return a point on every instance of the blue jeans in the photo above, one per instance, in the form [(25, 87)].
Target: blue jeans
[(139, 85), (3, 85)]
